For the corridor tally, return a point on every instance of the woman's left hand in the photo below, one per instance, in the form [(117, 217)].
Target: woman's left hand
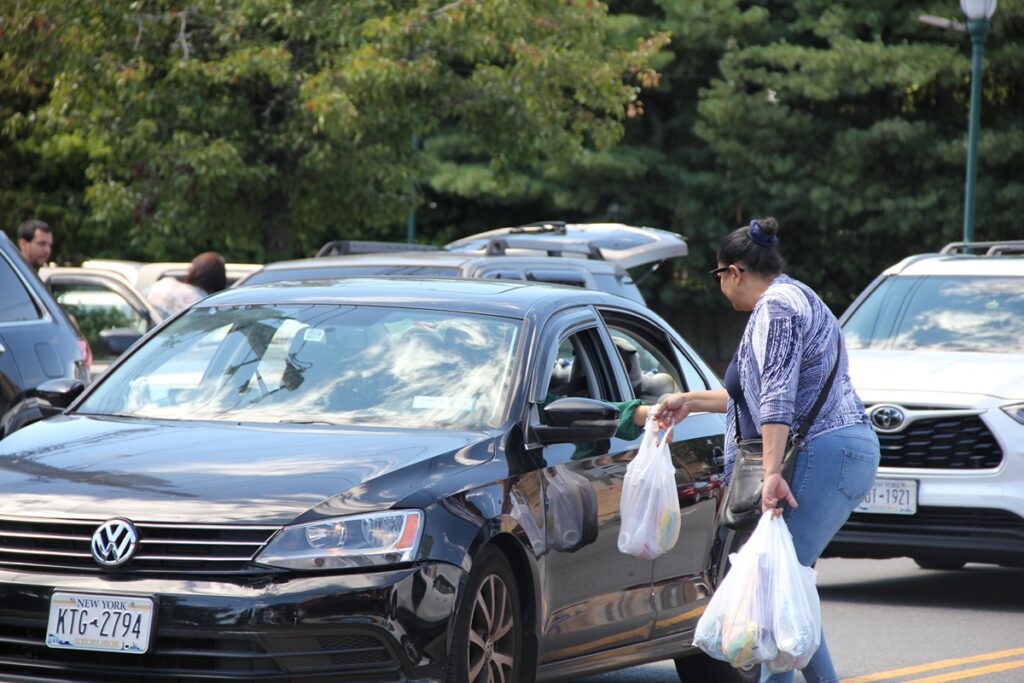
[(774, 490)]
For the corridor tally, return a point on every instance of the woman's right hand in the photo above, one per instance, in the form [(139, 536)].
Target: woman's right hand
[(673, 409)]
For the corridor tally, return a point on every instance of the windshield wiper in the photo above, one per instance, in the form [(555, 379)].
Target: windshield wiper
[(307, 422)]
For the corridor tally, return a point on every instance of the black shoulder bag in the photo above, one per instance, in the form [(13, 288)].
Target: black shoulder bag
[(742, 505)]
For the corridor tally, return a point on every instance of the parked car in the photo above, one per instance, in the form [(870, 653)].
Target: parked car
[(594, 256), (111, 313), (144, 275), (936, 352), (38, 342), (351, 481)]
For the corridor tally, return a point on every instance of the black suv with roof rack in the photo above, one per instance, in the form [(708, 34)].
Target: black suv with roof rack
[(40, 350), (590, 255)]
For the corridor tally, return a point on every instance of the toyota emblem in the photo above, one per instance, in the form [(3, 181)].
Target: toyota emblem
[(887, 418), (114, 542)]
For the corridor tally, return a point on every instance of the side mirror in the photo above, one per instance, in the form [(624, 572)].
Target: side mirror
[(117, 340), (59, 393), (577, 419)]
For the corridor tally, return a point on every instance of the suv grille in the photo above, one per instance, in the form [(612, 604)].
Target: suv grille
[(974, 523), (960, 442), (30, 544)]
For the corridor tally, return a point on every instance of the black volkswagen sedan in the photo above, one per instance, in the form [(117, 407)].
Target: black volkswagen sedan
[(367, 480)]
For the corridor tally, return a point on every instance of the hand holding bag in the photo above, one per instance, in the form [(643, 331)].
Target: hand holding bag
[(766, 609), (743, 497)]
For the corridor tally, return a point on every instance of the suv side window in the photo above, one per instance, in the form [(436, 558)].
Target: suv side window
[(16, 303)]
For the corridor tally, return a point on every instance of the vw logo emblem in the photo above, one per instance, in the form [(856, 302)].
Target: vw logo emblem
[(887, 418), (114, 542)]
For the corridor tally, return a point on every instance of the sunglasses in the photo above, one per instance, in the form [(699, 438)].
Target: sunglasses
[(717, 272)]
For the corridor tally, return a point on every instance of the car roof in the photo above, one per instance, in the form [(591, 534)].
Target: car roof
[(510, 298), (627, 245), (438, 258), (959, 264)]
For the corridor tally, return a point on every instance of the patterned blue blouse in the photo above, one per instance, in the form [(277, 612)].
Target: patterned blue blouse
[(785, 357)]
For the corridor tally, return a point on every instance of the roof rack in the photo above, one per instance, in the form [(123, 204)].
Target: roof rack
[(992, 248), (540, 227), (341, 247), (499, 246)]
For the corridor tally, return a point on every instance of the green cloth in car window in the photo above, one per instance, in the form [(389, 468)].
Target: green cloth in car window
[(627, 430)]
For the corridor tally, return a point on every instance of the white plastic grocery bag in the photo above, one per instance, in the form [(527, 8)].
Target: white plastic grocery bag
[(767, 608), (649, 506)]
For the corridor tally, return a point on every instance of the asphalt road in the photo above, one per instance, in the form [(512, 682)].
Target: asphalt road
[(888, 621)]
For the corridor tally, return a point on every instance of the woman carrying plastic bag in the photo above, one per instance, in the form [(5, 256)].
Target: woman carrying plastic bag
[(766, 610), (649, 507)]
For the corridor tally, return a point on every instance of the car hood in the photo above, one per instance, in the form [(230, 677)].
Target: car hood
[(998, 375), (95, 468)]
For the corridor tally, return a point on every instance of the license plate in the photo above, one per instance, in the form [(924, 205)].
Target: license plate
[(109, 623), (891, 497)]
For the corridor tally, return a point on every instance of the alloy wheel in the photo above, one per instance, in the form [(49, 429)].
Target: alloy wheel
[(492, 643)]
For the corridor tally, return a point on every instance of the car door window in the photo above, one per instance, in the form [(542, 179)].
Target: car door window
[(577, 370), (16, 303), (97, 308), (651, 368)]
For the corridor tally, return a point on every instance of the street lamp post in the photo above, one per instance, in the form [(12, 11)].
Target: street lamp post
[(978, 13)]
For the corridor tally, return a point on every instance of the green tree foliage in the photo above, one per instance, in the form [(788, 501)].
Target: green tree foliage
[(265, 127), (847, 121)]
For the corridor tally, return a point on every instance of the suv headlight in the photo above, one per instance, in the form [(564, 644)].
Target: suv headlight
[(1016, 411), (342, 542)]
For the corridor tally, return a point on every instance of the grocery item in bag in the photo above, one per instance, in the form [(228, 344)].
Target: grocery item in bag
[(649, 506)]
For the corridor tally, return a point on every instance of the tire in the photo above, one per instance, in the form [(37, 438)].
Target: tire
[(940, 564), (487, 640), (700, 668)]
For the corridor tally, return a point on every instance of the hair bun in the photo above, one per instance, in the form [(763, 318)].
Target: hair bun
[(769, 226)]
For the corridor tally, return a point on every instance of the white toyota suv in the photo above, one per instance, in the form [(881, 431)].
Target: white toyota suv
[(936, 348)]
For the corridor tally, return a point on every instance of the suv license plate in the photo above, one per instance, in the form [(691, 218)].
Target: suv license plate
[(90, 621), (891, 497)]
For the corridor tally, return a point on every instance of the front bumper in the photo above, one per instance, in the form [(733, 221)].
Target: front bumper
[(369, 627)]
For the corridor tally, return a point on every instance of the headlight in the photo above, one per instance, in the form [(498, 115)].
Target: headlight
[(1016, 411), (343, 542)]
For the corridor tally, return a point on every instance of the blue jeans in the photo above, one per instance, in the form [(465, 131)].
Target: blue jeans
[(833, 473)]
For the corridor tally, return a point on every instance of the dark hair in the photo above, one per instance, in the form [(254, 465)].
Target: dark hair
[(755, 246), (27, 230), (207, 272)]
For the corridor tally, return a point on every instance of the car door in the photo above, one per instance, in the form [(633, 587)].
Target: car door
[(100, 303), (595, 597), (657, 365)]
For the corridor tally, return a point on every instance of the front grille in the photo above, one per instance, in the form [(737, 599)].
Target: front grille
[(960, 442), (183, 658), (944, 522), (32, 544)]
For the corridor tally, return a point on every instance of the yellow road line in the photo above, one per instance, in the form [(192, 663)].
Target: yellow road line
[(931, 666), (970, 673)]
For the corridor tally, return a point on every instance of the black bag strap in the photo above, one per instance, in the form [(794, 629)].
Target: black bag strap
[(811, 416)]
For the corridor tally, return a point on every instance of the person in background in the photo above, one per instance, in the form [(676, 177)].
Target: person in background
[(206, 275), (785, 356), (35, 239)]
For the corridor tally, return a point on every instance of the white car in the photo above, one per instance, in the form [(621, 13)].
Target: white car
[(937, 353)]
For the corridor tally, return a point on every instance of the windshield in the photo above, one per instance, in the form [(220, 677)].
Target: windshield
[(941, 313), (318, 364)]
